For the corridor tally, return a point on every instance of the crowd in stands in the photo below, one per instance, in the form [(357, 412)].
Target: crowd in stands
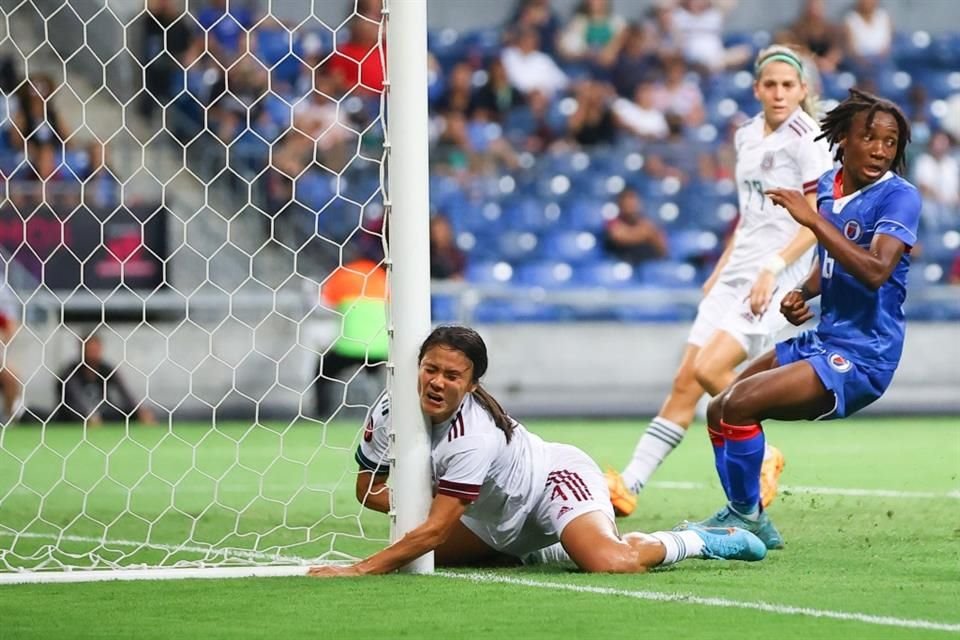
[(581, 141)]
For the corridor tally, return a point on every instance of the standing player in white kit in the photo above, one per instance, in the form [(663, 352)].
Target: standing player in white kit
[(503, 495), (768, 256)]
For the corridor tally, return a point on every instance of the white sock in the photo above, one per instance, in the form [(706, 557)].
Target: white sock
[(753, 515), (679, 545), (661, 437), (553, 554)]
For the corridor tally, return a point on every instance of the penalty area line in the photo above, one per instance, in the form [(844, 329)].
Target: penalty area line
[(682, 598)]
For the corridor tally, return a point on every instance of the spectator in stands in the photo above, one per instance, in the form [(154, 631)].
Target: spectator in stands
[(869, 39), (660, 29), (954, 275), (91, 390), (539, 16), (640, 116), (679, 94), (529, 68), (936, 173), (357, 63), (37, 122), (593, 36), (592, 122), (164, 37), (632, 236), (814, 30), (497, 96), (459, 94), (676, 156), (637, 61), (227, 25), (545, 133), (698, 26), (357, 291), (447, 261), (11, 389)]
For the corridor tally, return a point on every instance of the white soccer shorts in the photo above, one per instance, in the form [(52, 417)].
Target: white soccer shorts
[(575, 486), (727, 308)]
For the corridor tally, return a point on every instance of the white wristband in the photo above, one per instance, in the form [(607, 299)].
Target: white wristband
[(775, 264)]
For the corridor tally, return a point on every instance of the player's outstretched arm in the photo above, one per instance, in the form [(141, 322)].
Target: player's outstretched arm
[(871, 267), (445, 512), (372, 490)]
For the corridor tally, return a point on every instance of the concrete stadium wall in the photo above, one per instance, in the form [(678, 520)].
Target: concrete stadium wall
[(196, 365)]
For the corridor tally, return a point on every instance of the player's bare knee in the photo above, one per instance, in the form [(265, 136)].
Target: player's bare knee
[(738, 405), (685, 381), (715, 409)]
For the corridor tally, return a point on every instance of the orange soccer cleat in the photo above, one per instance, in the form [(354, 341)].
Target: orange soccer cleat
[(623, 500), (773, 463)]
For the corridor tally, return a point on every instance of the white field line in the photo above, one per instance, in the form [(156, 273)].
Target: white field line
[(658, 596), (826, 491), (172, 548)]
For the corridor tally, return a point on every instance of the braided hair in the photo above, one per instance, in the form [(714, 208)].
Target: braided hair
[(469, 343), (836, 124)]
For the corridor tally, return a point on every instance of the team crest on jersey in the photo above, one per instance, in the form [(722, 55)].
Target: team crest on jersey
[(852, 230), (839, 363), (767, 163)]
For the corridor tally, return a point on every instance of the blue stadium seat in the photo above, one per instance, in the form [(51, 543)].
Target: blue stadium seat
[(609, 274), (689, 244), (491, 272), (587, 214), (494, 311), (518, 246), (574, 247), (548, 274), (668, 273), (647, 313), (444, 308)]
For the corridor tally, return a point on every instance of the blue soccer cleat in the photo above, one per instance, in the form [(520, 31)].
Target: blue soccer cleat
[(728, 543), (762, 527)]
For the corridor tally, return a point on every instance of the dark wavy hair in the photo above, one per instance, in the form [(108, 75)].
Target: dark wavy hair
[(836, 124), (469, 343)]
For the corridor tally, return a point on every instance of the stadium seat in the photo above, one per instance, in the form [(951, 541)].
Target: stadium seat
[(489, 273), (609, 274), (690, 244), (667, 273), (494, 311), (574, 247), (548, 274)]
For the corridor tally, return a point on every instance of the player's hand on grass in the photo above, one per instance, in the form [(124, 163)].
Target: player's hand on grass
[(796, 204), (795, 309), (333, 571)]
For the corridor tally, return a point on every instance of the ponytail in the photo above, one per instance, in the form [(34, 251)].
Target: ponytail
[(500, 418)]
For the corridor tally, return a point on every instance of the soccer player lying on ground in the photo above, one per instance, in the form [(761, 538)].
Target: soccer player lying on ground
[(866, 225), (502, 494), (769, 255)]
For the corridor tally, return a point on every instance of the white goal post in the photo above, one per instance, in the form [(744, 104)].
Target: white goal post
[(239, 476)]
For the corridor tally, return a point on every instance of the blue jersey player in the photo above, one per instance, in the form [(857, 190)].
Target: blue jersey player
[(865, 226)]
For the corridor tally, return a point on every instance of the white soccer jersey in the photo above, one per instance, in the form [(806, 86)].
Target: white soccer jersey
[(472, 460), (788, 158)]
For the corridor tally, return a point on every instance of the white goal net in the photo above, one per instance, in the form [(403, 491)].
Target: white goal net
[(194, 281)]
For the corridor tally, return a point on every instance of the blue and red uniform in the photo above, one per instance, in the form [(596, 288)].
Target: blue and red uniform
[(857, 345)]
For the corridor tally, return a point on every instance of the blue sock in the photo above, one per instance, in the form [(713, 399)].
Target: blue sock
[(744, 455), (720, 458)]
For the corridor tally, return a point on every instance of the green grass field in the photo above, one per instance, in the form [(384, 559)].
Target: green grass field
[(870, 512)]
